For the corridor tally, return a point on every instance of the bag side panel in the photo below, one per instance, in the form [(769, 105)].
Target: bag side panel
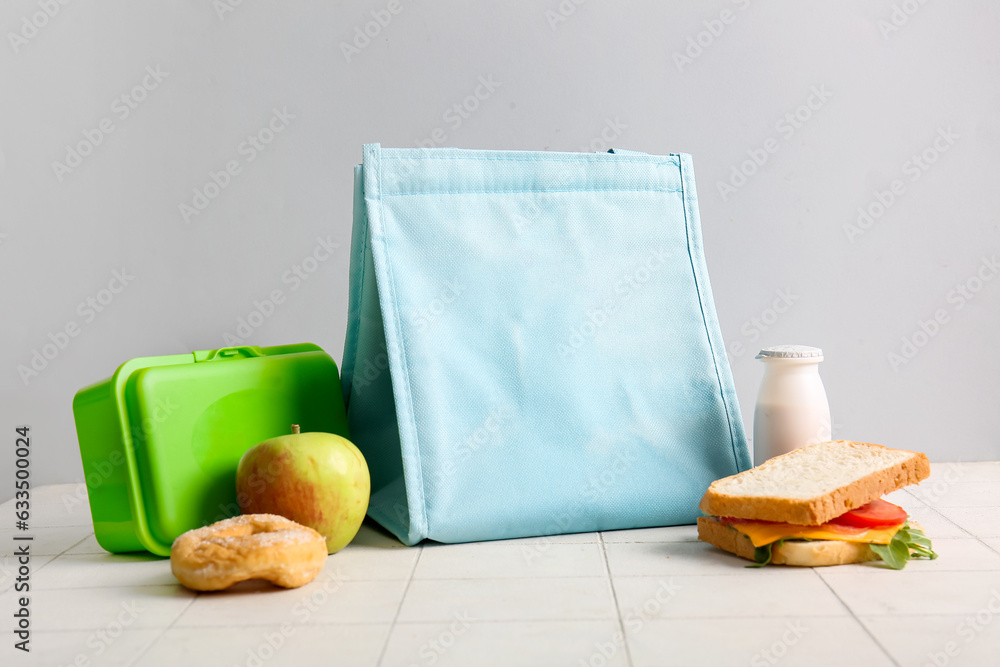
[(367, 383), (359, 232), (699, 265), (405, 492)]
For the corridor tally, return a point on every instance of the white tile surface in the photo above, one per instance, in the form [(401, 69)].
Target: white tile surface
[(461, 642), (959, 494), (89, 545), (105, 570), (992, 542), (373, 563), (789, 592), (86, 647), (45, 541), (905, 499), (104, 608), (629, 559), (665, 534), (808, 641), (281, 644), (935, 524), (60, 505), (536, 601), (488, 559), (669, 558), (875, 591), (955, 641), (559, 598), (978, 521), (324, 600)]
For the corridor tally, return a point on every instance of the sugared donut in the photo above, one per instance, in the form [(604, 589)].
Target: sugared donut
[(251, 546)]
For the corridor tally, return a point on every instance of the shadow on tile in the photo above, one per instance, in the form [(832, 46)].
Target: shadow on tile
[(373, 535)]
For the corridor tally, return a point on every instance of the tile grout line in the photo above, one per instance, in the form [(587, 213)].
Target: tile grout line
[(399, 607), (687, 575), (51, 560), (946, 519), (514, 621), (968, 532), (965, 530), (614, 598), (162, 633), (988, 546), (63, 552), (857, 620), (980, 570)]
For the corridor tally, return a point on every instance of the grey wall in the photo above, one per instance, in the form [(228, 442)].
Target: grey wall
[(898, 100)]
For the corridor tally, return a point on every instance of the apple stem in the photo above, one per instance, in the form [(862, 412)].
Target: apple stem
[(295, 429)]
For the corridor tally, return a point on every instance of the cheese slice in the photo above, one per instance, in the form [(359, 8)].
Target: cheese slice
[(766, 532)]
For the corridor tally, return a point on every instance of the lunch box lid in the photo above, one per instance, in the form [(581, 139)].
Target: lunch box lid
[(161, 438)]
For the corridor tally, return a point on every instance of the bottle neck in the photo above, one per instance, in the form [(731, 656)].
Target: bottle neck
[(792, 366)]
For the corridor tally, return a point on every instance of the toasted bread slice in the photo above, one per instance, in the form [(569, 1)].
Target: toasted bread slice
[(813, 484), (819, 553)]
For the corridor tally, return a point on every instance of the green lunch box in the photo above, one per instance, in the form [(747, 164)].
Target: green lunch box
[(160, 439)]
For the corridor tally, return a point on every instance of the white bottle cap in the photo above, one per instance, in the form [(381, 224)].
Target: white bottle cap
[(790, 352)]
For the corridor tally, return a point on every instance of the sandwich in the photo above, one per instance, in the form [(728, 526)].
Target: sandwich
[(818, 505)]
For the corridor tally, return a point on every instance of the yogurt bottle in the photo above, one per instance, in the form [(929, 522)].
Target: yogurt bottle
[(792, 409)]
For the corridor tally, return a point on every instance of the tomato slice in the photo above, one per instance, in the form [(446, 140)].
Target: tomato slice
[(876, 513)]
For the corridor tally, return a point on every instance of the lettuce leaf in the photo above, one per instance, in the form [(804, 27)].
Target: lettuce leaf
[(907, 543), (762, 555)]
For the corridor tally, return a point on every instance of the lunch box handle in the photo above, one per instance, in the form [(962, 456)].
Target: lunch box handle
[(223, 353)]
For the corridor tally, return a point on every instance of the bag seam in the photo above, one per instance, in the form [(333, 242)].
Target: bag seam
[(386, 519), (419, 473), (361, 281), (576, 157), (518, 191), (708, 334)]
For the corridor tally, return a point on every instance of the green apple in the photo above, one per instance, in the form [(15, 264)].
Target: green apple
[(320, 480)]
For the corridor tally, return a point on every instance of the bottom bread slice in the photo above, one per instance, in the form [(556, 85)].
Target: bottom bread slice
[(819, 553)]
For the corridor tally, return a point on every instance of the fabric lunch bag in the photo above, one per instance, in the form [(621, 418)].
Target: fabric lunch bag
[(532, 346)]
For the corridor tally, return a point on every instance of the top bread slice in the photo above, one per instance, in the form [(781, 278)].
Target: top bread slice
[(813, 484)]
